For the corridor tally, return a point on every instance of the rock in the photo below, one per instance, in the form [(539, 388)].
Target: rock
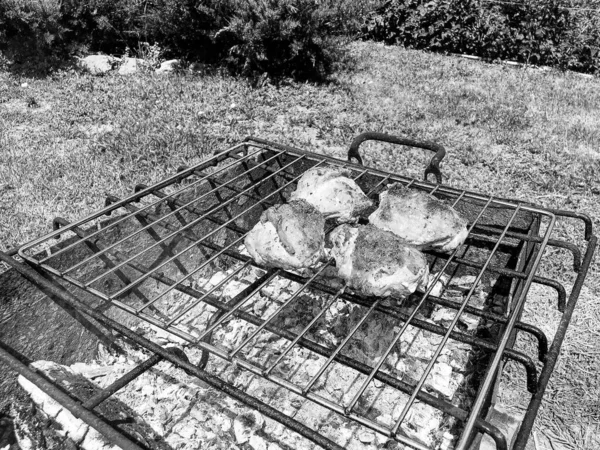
[(169, 66), (131, 65), (366, 437), (97, 64)]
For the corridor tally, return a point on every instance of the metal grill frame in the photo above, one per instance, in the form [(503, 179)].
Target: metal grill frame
[(511, 323)]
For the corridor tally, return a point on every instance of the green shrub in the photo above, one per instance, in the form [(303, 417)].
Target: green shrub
[(300, 38), (281, 38), (537, 32)]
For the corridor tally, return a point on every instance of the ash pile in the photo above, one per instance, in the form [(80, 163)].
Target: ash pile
[(184, 413)]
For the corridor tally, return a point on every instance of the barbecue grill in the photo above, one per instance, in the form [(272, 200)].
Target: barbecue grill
[(135, 253)]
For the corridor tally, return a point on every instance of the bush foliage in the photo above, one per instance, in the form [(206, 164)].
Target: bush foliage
[(538, 31), (301, 38)]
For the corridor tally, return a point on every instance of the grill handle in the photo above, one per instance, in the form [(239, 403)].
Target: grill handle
[(434, 164)]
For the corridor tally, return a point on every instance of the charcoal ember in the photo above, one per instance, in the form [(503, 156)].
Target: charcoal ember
[(257, 442), (233, 288), (222, 422), (421, 423), (244, 425), (278, 288), (439, 380), (423, 347), (366, 437), (439, 287), (260, 305), (412, 369), (466, 281), (187, 428), (311, 414)]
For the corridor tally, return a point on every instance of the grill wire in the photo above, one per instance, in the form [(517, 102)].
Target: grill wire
[(171, 238)]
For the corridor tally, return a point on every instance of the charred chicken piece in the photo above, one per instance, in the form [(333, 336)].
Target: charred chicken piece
[(332, 192), (289, 236), (377, 262), (420, 219)]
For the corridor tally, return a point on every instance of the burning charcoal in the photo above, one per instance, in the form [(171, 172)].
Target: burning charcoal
[(366, 437), (447, 441), (411, 368), (222, 422), (443, 315), (440, 286), (464, 281), (381, 439), (147, 390), (200, 413), (245, 424), (257, 443), (421, 423), (470, 321), (422, 347), (439, 379), (187, 429)]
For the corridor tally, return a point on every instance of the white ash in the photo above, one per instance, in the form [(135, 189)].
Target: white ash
[(189, 414)]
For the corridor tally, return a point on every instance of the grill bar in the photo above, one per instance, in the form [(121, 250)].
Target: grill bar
[(257, 165), (447, 335), (316, 398), (188, 226), (519, 357), (489, 377), (139, 195), (61, 397), (212, 380), (279, 310), (123, 381), (151, 224), (536, 400), (301, 335)]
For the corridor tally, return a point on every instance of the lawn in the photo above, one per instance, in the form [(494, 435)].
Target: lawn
[(68, 140)]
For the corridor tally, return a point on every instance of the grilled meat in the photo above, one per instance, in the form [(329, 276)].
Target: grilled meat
[(377, 262), (419, 219), (331, 191), (289, 236)]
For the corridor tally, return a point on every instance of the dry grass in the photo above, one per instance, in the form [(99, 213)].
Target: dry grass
[(524, 133)]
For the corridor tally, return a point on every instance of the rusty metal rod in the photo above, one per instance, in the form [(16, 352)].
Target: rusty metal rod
[(54, 392)]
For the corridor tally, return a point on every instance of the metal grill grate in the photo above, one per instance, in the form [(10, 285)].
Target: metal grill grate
[(156, 259)]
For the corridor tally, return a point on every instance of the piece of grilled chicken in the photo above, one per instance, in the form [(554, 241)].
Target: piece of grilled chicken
[(288, 236), (420, 219), (376, 262), (332, 192)]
